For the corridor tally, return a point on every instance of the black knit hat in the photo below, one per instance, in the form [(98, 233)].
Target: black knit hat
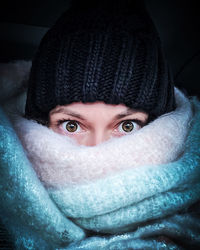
[(109, 53)]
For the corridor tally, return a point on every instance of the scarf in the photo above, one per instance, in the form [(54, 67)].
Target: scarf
[(140, 191)]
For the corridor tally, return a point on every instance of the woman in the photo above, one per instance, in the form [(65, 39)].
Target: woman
[(100, 74)]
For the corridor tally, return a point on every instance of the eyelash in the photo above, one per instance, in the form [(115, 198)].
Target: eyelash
[(59, 122), (139, 122)]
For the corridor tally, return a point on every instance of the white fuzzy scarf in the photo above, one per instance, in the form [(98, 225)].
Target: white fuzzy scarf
[(59, 161), (135, 188)]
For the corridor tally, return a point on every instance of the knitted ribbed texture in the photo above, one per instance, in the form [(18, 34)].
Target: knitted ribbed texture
[(135, 207), (104, 54)]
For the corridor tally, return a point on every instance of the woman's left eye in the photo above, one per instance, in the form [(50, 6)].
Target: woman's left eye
[(128, 126)]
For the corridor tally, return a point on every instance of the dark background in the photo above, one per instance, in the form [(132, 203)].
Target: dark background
[(23, 23)]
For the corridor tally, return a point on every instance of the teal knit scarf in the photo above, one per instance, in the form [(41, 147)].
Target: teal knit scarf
[(152, 207)]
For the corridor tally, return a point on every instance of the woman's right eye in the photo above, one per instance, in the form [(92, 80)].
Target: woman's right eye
[(71, 126)]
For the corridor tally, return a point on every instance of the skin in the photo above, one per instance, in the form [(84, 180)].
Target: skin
[(95, 123)]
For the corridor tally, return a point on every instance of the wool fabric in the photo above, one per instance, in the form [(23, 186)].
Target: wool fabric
[(132, 209), (57, 164), (102, 53), (143, 207)]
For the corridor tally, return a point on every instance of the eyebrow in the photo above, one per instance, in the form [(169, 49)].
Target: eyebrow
[(68, 112), (62, 110)]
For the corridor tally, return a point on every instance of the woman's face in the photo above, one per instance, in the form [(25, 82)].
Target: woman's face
[(93, 123)]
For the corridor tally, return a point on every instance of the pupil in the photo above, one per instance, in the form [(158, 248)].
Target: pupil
[(71, 126), (127, 126)]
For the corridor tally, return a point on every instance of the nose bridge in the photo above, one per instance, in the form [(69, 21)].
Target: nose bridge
[(98, 137)]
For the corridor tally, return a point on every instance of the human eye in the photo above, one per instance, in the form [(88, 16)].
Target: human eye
[(129, 126), (69, 126)]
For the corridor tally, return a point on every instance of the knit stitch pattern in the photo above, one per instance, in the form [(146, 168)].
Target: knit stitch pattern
[(100, 54)]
